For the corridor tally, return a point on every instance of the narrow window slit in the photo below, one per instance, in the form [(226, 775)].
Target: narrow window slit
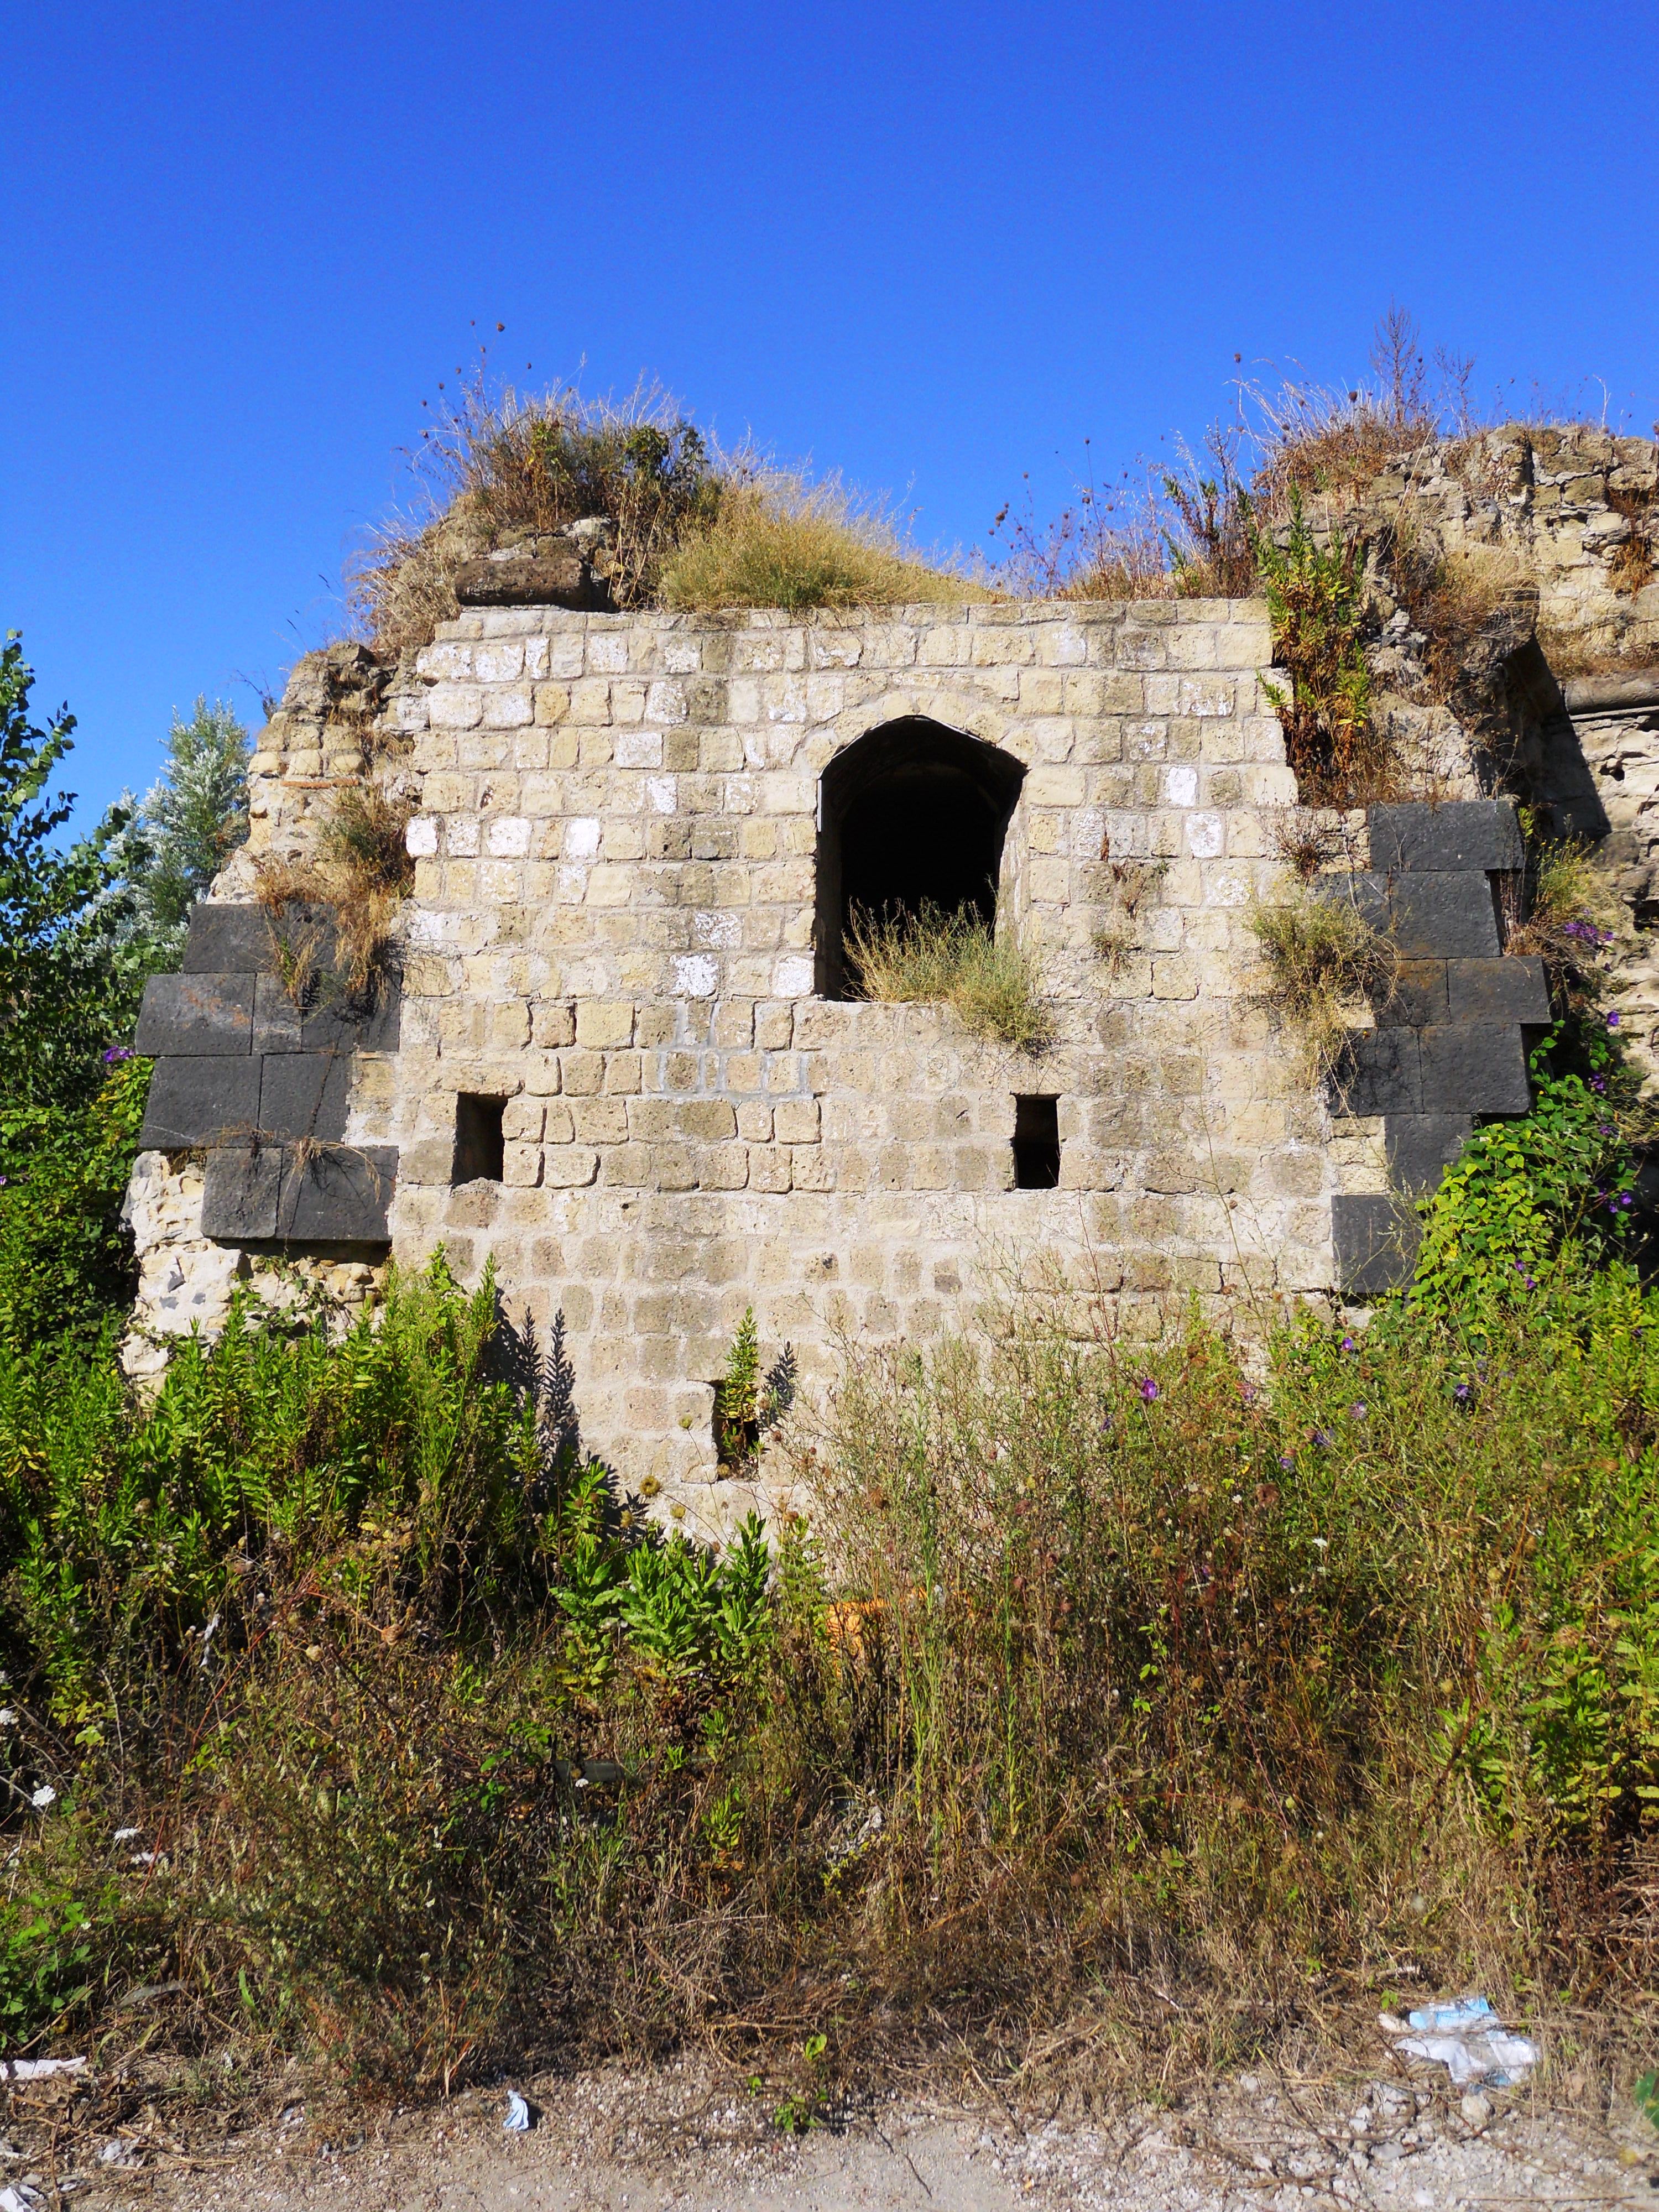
[(480, 1147), (1037, 1144)]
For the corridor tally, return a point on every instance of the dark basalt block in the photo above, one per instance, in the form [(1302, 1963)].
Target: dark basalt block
[(195, 1015), (227, 939), (365, 1021), (1508, 990), (1421, 1147), (1478, 834), (275, 1017), (531, 583), (239, 1194), (1448, 915), (1419, 996), (206, 1101), (1376, 1241), (1474, 1067), (339, 1195), (305, 1093), (1378, 1073)]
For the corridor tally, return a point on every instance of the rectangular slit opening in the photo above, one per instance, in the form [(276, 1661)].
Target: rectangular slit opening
[(480, 1147), (1037, 1144)]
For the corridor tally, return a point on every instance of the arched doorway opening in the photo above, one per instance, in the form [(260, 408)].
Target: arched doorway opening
[(912, 814)]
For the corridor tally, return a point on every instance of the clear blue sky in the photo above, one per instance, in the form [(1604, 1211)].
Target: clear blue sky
[(932, 247)]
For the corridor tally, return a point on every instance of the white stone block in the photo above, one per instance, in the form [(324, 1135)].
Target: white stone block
[(720, 930), (1181, 786), (461, 837), (421, 838), (696, 975), (639, 749), (607, 655), (581, 837), (660, 793), (792, 977), (509, 836), (1206, 836)]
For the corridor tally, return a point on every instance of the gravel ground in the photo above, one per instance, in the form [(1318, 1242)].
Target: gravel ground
[(629, 2140)]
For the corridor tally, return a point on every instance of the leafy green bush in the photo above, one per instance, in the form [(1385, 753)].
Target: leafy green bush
[(1521, 1194), (65, 1258)]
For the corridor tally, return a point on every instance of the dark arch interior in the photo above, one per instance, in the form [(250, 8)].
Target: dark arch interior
[(913, 813)]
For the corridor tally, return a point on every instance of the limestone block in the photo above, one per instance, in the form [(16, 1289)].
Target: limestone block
[(769, 1169), (600, 1120), (569, 1167), (454, 706), (797, 1121), (601, 1023)]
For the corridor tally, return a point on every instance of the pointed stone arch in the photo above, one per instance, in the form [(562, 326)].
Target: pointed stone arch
[(913, 813)]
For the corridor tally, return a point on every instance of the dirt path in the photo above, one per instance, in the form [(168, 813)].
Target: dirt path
[(638, 2142)]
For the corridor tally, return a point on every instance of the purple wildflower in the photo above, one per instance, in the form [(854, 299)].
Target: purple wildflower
[(1323, 1438), (1613, 1019), (117, 1052), (1287, 1461), (1356, 1411), (1464, 1393), (1348, 1345), (1148, 1389), (1599, 1085)]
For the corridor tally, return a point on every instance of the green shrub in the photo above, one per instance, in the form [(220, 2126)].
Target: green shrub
[(990, 982), (1524, 1198), (1316, 596), (65, 1257)]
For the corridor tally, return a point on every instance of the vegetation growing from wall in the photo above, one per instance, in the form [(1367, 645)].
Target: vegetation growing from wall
[(681, 523), (1325, 963), (779, 541), (989, 981)]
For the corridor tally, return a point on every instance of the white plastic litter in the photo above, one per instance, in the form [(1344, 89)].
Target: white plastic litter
[(518, 2114), (23, 2199), (38, 2070), (1468, 2039)]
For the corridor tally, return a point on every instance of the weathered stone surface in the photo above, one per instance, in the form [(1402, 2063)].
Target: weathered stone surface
[(1474, 1067), (197, 1014), (548, 582), (227, 939), (1376, 1240), (339, 1195), (1421, 1147), (1515, 989), (275, 1017), (1447, 916), (1379, 1072), (305, 1093), (240, 1193), (1471, 834), (204, 1101), (1419, 995), (365, 1021)]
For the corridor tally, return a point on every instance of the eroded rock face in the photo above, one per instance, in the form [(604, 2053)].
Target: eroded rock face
[(1517, 649)]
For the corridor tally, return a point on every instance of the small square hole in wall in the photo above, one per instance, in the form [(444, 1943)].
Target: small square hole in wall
[(1037, 1144), (480, 1148)]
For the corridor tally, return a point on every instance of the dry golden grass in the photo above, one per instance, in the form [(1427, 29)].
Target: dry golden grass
[(776, 541), (360, 878), (1325, 963), (990, 982)]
